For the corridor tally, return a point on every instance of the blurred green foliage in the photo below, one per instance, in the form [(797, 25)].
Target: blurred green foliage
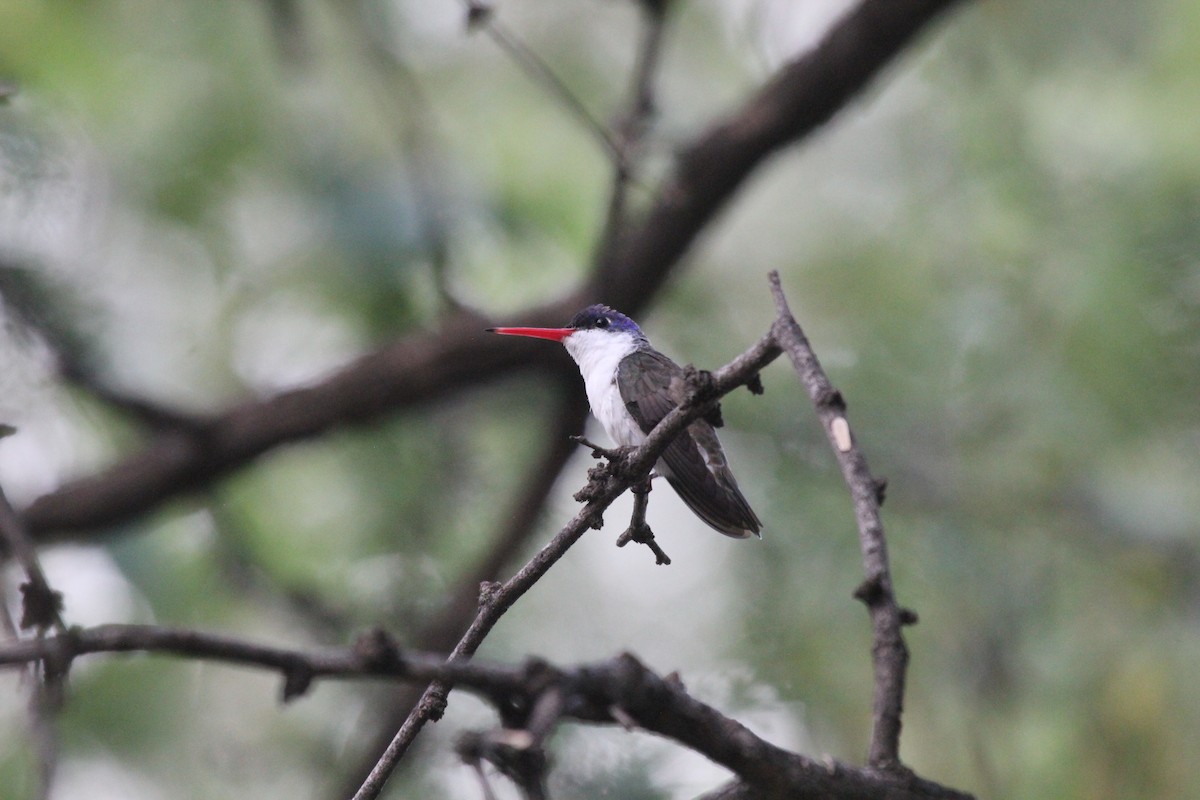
[(995, 251)]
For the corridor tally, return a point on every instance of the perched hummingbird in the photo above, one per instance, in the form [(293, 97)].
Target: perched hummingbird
[(630, 387)]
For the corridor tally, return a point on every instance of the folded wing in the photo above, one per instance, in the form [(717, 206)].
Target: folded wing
[(651, 385)]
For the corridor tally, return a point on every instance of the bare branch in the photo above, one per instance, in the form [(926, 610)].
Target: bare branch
[(41, 605), (600, 493), (753, 760), (428, 365), (531, 699), (442, 632), (540, 73), (631, 130), (800, 98), (638, 531), (889, 652), (408, 373)]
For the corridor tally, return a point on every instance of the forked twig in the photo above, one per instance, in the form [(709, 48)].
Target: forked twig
[(890, 654)]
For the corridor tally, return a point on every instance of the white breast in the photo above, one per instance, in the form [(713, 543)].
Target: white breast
[(598, 353)]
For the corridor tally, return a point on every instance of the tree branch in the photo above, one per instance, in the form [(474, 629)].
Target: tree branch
[(409, 373), (443, 630), (800, 98), (759, 765), (41, 610), (481, 15), (428, 365), (889, 652), (495, 599), (530, 699), (631, 130)]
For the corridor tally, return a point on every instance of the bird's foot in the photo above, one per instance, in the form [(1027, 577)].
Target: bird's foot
[(702, 389), (642, 534), (611, 470), (609, 453), (638, 531)]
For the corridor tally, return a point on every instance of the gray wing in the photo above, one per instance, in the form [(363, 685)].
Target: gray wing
[(651, 385)]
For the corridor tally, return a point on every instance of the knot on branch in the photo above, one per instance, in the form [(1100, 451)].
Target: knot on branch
[(754, 384), (297, 678), (433, 703), (701, 388), (599, 477), (616, 467), (871, 592), (831, 399), (488, 591), (378, 650), (41, 606)]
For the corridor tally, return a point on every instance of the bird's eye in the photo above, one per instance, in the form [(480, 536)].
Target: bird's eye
[(602, 322)]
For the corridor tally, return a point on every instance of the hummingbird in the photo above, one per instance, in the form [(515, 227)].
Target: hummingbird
[(630, 387)]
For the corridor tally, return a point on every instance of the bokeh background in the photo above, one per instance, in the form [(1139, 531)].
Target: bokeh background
[(995, 250)]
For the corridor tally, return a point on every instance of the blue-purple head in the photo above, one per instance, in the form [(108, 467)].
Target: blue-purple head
[(595, 327), (600, 317)]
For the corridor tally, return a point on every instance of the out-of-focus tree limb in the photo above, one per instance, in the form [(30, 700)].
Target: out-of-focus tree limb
[(410, 372), (620, 690), (428, 365), (624, 468), (442, 631), (798, 99)]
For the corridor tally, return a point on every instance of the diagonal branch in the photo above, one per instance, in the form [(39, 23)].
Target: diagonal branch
[(495, 600), (442, 632), (428, 365), (889, 652), (630, 467), (480, 15), (631, 130), (41, 610), (796, 101)]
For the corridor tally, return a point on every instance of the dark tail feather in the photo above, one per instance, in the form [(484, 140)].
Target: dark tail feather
[(722, 507)]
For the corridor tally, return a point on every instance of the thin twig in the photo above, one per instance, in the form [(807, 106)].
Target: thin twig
[(42, 605), (631, 130), (443, 631), (638, 531), (889, 652), (428, 365), (635, 468), (41, 610), (540, 73)]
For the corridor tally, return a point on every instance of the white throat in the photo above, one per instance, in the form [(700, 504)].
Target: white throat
[(598, 352)]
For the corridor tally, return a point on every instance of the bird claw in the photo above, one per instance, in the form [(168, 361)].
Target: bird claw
[(616, 465), (643, 535), (612, 454)]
